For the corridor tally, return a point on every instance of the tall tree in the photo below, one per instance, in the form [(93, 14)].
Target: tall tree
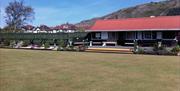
[(17, 14)]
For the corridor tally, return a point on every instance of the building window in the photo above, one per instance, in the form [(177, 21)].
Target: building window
[(169, 35), (130, 35), (111, 36), (98, 35), (147, 35)]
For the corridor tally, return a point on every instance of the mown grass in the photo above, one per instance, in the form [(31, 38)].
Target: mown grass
[(29, 70)]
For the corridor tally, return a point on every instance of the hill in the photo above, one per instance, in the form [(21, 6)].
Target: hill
[(162, 8)]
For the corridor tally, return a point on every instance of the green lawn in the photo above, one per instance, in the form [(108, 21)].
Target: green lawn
[(30, 70)]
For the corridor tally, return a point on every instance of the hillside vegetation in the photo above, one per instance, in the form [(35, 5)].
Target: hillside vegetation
[(163, 8)]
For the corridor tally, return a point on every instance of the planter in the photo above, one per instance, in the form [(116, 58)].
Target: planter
[(60, 48), (175, 53), (176, 50), (178, 54), (163, 52)]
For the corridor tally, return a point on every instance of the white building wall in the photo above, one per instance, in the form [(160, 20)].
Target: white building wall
[(54, 31), (35, 31)]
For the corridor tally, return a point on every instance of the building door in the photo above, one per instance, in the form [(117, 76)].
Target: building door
[(121, 38)]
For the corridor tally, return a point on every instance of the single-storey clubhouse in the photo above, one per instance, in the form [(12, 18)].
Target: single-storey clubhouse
[(146, 31)]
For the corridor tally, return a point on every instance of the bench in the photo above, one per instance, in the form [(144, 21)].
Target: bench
[(97, 43), (80, 43), (110, 43), (129, 43)]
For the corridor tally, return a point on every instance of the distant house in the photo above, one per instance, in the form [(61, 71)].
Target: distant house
[(66, 28), (32, 29), (69, 28), (146, 31), (36, 30), (28, 28), (83, 26), (57, 29), (43, 29), (39, 29)]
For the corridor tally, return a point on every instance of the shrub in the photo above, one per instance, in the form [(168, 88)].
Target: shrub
[(43, 43), (46, 45), (136, 46), (81, 30), (12, 43), (176, 49), (80, 48), (26, 43), (60, 48), (70, 48), (37, 42), (6, 42), (160, 50), (140, 51), (157, 48), (61, 44)]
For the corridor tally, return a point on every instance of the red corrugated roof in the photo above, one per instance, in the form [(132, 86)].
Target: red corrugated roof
[(134, 24)]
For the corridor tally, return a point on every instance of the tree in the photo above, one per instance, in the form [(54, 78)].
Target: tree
[(17, 14), (81, 29)]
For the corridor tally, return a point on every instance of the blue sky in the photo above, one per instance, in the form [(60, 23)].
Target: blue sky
[(56, 12)]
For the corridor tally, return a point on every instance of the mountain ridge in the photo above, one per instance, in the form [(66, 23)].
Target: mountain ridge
[(162, 8)]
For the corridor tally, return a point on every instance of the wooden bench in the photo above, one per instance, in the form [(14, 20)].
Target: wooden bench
[(96, 43), (80, 43), (111, 43), (129, 43)]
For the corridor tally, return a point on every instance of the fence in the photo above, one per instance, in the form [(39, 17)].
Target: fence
[(42, 36)]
